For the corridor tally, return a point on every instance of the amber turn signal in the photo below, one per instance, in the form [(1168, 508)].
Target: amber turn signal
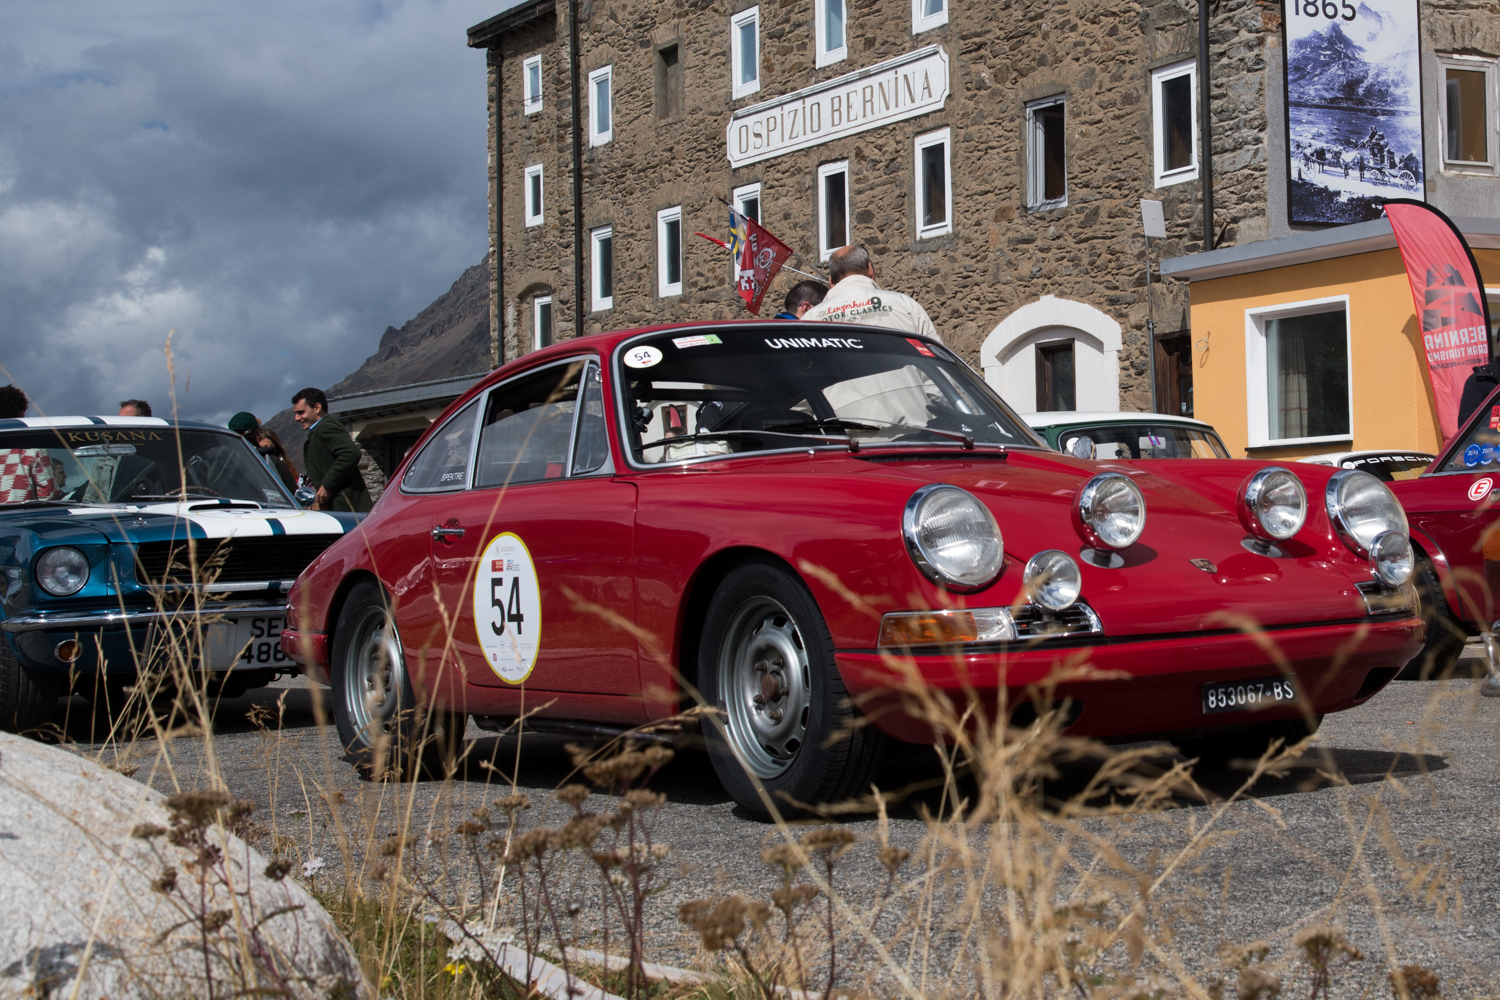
[(944, 628)]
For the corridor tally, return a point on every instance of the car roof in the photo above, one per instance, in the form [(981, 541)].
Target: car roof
[(1335, 457), (1059, 418), (42, 423)]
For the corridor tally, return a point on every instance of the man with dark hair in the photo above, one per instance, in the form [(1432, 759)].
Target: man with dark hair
[(135, 408), (330, 455), (13, 402), (25, 473), (855, 298), (803, 296)]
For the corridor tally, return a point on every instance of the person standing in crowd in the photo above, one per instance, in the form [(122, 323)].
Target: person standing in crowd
[(267, 445), (855, 298), (135, 408), (1477, 388), (330, 456), (25, 473), (802, 297)]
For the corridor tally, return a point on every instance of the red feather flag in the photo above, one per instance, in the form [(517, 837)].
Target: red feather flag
[(760, 259)]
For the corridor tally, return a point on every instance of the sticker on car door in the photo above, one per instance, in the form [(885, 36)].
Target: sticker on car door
[(508, 608)]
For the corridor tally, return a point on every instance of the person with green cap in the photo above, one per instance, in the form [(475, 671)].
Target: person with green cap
[(267, 445)]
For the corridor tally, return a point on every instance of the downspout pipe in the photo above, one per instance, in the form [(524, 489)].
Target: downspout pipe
[(1205, 127), (497, 196), (578, 309)]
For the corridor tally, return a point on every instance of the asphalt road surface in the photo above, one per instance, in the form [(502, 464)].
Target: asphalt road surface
[(1400, 843)]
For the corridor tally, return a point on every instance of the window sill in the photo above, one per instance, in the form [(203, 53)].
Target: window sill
[(1178, 177), (1299, 442), (532, 109), (830, 58), (934, 232), (1471, 169), (1048, 206)]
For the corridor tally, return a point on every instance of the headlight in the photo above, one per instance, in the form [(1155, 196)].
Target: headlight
[(62, 571), (1111, 511), (953, 538), (1362, 509), (1391, 558), (1052, 580), (1274, 504)]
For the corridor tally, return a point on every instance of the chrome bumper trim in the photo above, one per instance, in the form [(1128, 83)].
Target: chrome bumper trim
[(92, 620)]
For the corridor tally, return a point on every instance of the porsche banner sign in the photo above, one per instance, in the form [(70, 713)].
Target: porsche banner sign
[(887, 92), (1449, 299)]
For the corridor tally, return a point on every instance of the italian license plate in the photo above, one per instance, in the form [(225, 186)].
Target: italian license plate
[(246, 643), (1243, 696)]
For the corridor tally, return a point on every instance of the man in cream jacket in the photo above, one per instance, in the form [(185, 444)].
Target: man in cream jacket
[(855, 298)]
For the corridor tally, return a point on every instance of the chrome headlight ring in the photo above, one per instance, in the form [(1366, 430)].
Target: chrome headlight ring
[(1392, 559), (1362, 508), (953, 538), (1273, 504), (1110, 512), (62, 571), (1052, 580)]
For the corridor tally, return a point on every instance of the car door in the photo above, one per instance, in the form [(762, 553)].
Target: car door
[(534, 560)]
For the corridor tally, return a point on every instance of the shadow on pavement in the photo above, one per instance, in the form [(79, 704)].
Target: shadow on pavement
[(286, 705)]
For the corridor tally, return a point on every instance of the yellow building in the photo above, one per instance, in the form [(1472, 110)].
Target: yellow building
[(1310, 344)]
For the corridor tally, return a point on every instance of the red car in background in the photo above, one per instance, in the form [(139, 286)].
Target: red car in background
[(1451, 505), (794, 522)]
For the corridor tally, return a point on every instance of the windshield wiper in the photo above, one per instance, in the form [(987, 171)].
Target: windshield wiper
[(846, 441), (186, 495), (858, 425)]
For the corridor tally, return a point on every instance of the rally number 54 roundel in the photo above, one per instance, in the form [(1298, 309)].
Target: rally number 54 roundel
[(508, 608)]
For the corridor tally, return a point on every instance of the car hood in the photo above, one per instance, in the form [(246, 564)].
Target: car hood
[(166, 521)]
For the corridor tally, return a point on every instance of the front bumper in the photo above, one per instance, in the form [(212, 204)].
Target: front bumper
[(1137, 687), (309, 650)]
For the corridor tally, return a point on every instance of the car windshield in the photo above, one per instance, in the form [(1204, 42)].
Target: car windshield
[(131, 465), (1390, 468), (1141, 440), (759, 388)]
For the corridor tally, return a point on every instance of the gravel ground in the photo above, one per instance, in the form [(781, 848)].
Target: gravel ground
[(1399, 844)]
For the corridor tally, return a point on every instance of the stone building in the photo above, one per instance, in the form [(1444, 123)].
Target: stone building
[(992, 156)]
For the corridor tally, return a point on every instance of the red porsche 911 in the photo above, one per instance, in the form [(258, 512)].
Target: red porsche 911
[(789, 521)]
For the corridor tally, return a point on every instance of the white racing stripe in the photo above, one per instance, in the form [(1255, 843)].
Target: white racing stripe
[(234, 522)]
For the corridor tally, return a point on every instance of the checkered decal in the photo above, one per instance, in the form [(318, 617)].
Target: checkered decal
[(29, 474)]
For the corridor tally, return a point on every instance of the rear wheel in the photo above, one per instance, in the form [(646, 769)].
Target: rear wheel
[(1221, 750), (28, 701), (786, 722), (384, 729), (1445, 636)]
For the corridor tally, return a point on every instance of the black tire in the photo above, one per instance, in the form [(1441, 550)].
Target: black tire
[(28, 701), (1221, 750), (384, 729), (818, 749), (1445, 636)]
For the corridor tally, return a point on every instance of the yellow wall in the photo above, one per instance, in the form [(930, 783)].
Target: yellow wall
[(1391, 406)]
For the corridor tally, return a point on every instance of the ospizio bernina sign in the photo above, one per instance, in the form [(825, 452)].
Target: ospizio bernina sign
[(887, 92)]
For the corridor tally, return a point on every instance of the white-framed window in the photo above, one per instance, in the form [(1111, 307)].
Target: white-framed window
[(744, 43), (1467, 102), (1174, 122), (602, 255), (531, 84), (1046, 153), (746, 200), (831, 30), (1299, 380), (541, 321), (833, 207), (934, 185), (533, 192), (928, 14), (669, 251), (601, 106)]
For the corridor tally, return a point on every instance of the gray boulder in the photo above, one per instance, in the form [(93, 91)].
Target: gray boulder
[(109, 889)]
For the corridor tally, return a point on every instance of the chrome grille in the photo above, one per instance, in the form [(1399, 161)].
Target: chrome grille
[(1033, 622)]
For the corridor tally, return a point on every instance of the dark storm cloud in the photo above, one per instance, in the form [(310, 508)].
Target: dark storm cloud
[(275, 181)]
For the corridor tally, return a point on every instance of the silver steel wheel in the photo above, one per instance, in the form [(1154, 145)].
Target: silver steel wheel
[(373, 676), (765, 687)]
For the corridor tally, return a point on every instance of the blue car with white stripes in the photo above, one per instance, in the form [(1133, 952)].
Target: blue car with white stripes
[(135, 544)]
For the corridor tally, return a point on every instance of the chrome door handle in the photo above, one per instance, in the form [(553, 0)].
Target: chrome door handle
[(439, 533)]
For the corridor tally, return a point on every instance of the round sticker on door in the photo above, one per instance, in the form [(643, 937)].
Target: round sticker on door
[(642, 357), (508, 608), (1480, 488)]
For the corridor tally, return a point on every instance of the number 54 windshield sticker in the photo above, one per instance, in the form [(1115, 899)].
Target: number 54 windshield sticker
[(508, 608)]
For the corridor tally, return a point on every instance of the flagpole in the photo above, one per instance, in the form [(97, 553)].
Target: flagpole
[(784, 267)]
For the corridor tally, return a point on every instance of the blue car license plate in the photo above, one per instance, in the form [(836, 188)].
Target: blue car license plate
[(1243, 696)]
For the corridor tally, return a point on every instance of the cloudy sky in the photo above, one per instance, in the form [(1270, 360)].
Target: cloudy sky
[(276, 181)]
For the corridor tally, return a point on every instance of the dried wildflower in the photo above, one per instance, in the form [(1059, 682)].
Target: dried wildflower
[(198, 808), (639, 799), (893, 858), (215, 919), (396, 844), (657, 757), (659, 852), (278, 869), (783, 856), (572, 795), (146, 831), (166, 881), (579, 832), (312, 866), (787, 899), (1320, 947), (380, 872), (531, 844), (829, 843), (470, 829), (719, 924), (1256, 983), (512, 804), (1413, 982)]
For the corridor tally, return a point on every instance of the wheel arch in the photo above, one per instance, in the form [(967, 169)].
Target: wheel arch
[(341, 595), (1428, 549)]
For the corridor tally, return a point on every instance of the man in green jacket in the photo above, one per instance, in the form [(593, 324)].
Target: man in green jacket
[(330, 456)]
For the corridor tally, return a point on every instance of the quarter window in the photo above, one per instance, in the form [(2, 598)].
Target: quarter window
[(528, 424), (1046, 154), (829, 22), (603, 242), (744, 40), (443, 462), (934, 188), (1468, 111), (531, 84), (833, 207), (1298, 367), (541, 321), (927, 14), (1174, 118), (534, 195), (669, 251), (601, 106)]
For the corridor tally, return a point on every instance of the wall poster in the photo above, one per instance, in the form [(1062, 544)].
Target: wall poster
[(1354, 108)]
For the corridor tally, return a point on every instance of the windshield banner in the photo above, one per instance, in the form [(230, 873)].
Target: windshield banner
[(1449, 299)]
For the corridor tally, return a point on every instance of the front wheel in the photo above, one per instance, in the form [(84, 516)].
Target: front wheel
[(1445, 639), (785, 723), (384, 729), (28, 701)]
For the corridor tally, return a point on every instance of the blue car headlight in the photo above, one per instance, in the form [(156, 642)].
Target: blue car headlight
[(62, 571)]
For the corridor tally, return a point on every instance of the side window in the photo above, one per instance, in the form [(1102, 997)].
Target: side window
[(1480, 450), (527, 426), (591, 450), (443, 462)]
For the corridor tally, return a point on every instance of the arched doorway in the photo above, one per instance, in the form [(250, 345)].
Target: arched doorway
[(1055, 354)]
